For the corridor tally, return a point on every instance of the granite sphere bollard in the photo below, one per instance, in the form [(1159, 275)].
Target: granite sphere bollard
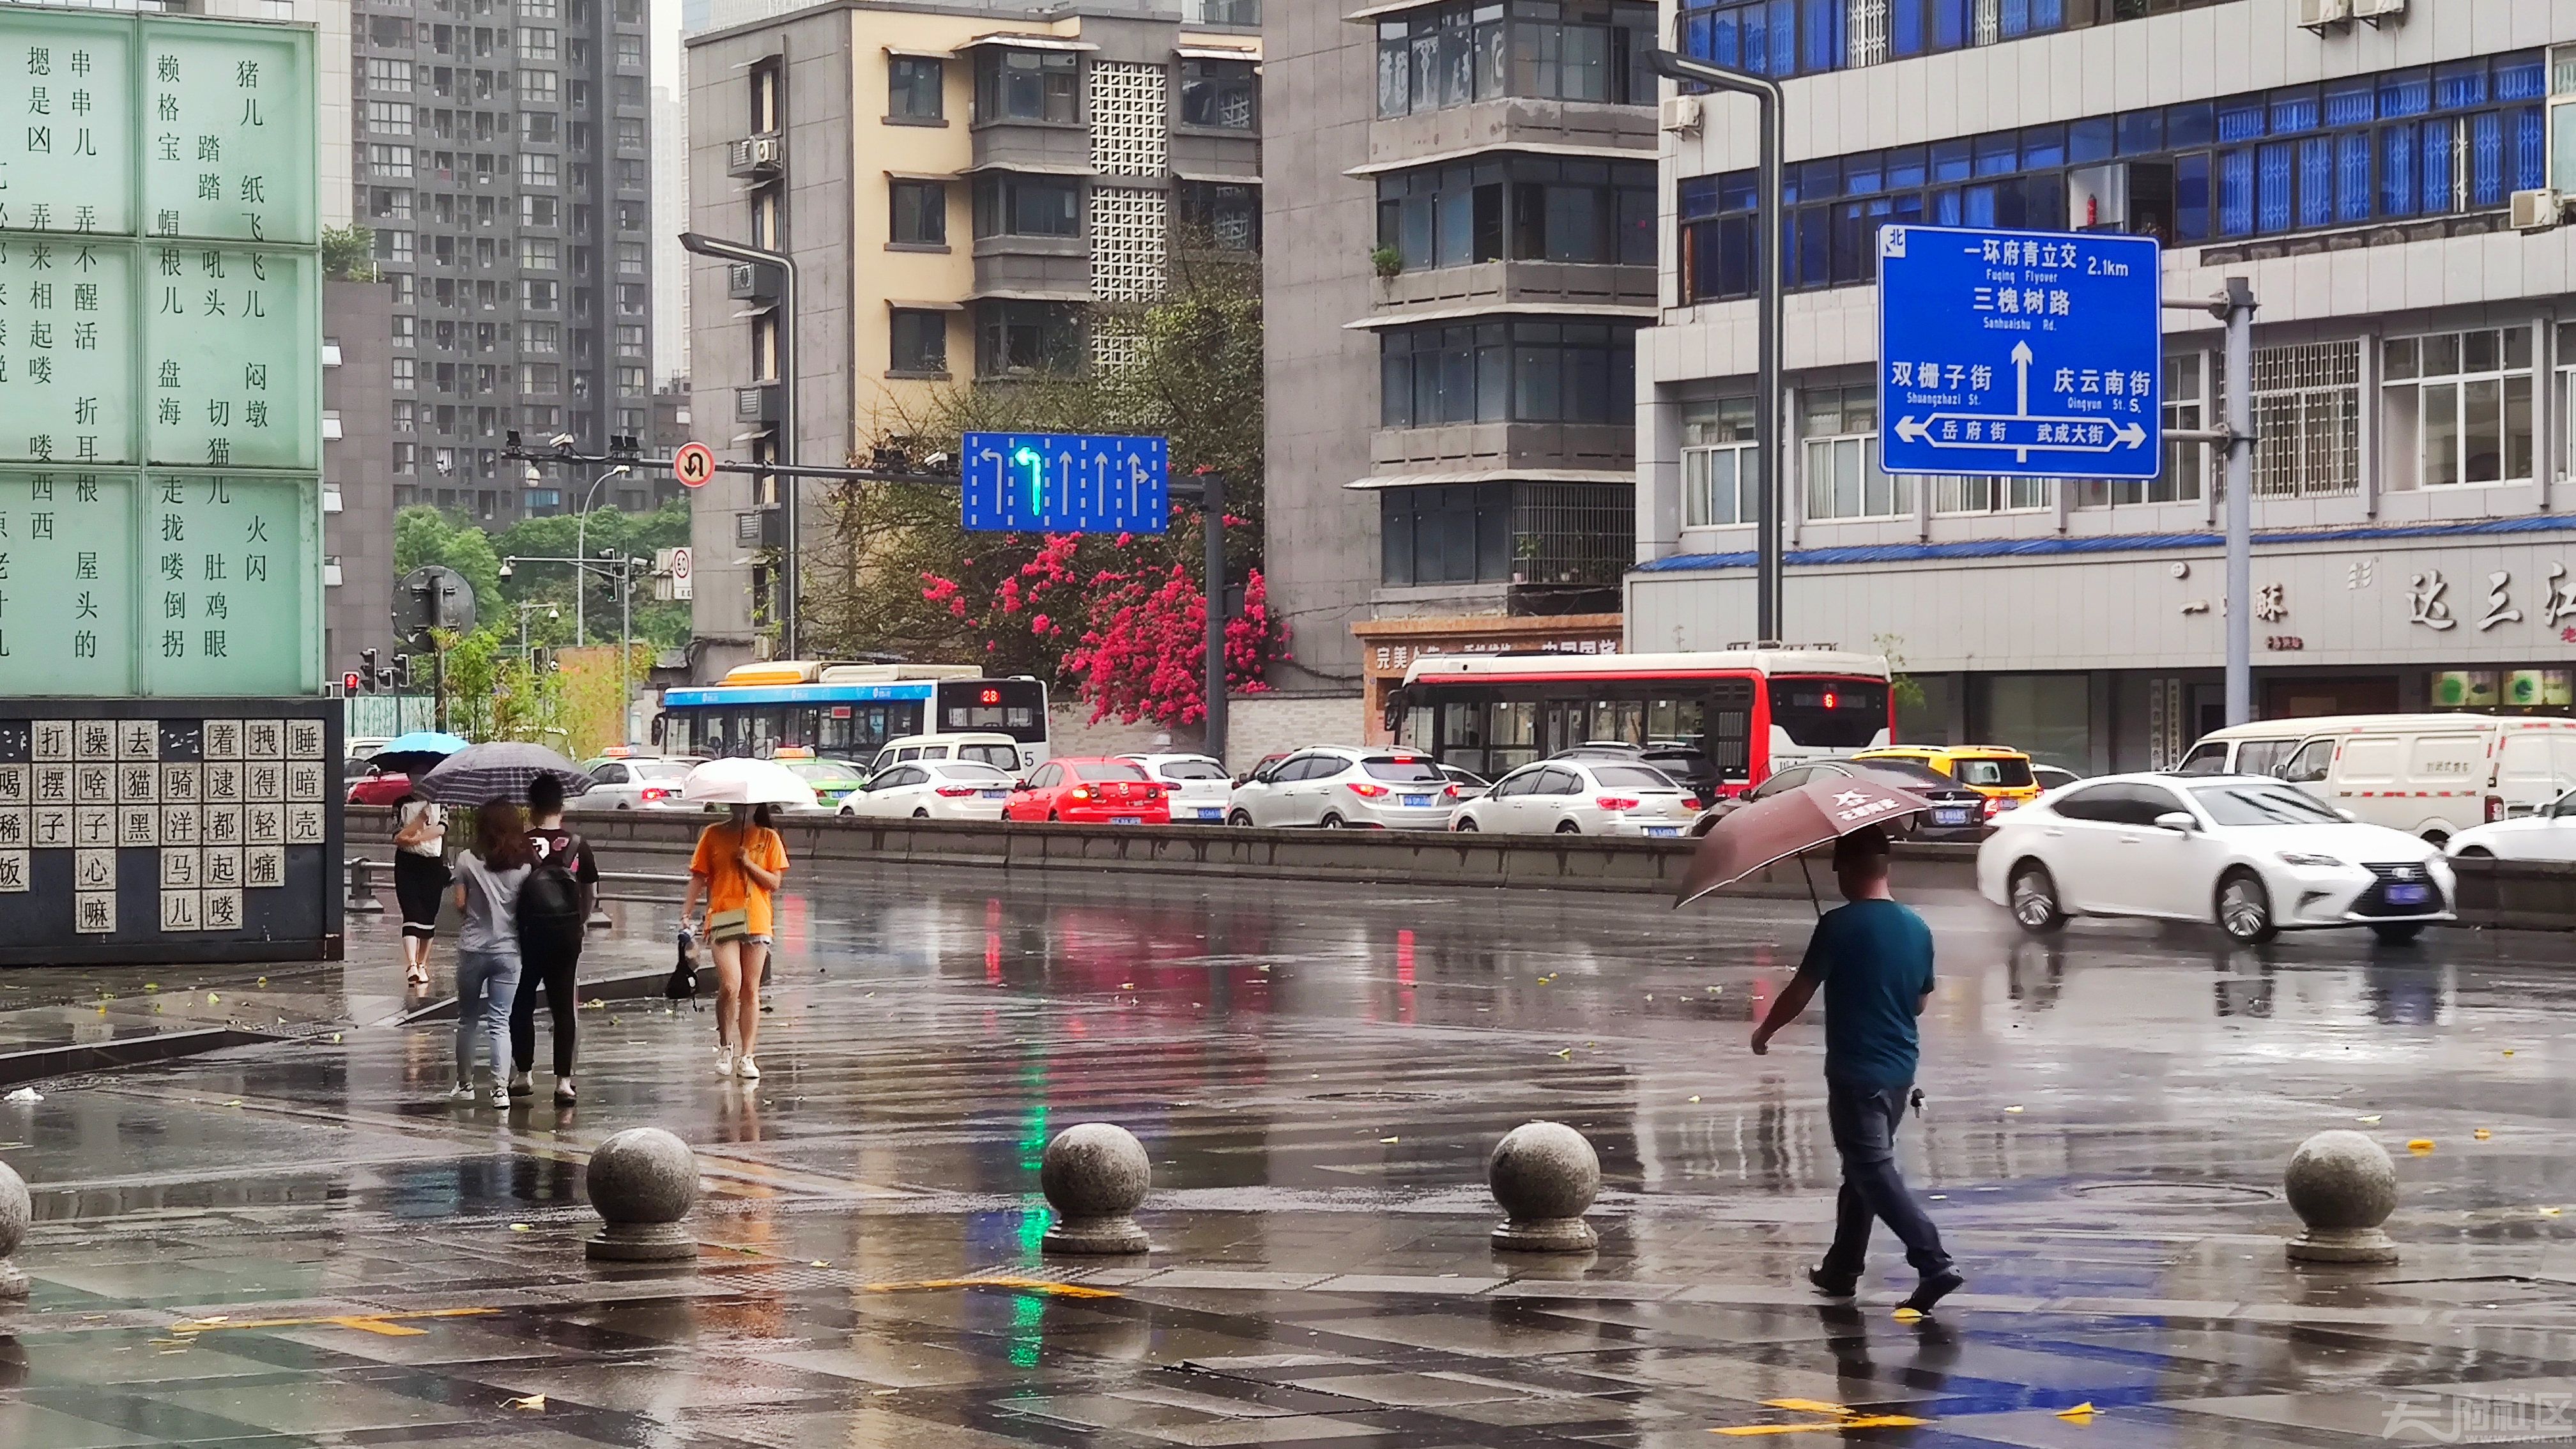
[(2342, 1185), (16, 1212), (1094, 1175), (643, 1182), (1544, 1175)]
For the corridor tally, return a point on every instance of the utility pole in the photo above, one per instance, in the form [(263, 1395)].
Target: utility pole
[(2239, 303), (789, 604), (1212, 525)]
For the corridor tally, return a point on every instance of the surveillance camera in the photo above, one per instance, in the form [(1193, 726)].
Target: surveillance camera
[(937, 463), (562, 440)]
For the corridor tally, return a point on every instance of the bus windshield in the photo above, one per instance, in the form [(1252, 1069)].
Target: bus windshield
[(1829, 714)]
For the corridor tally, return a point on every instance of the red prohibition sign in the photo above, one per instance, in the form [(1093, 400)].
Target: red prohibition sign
[(693, 465)]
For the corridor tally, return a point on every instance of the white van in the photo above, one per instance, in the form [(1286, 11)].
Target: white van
[(1000, 751), (2432, 775)]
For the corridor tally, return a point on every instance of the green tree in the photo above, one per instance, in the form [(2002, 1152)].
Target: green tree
[(348, 253), (488, 692), (609, 533), (423, 536)]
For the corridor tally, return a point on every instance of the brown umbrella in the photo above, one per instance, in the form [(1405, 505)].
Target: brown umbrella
[(1787, 823)]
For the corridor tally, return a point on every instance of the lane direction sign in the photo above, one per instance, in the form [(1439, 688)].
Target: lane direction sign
[(1066, 483), (2026, 354)]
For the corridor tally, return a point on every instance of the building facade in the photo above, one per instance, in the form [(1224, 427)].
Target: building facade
[(503, 160), (357, 474), (2414, 367), (1452, 337), (960, 186)]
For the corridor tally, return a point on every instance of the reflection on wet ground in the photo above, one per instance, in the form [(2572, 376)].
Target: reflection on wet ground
[(301, 1243)]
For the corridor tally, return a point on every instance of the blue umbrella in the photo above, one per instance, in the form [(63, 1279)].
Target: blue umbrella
[(412, 753)]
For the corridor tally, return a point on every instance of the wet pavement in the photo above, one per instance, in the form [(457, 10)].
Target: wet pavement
[(300, 1242)]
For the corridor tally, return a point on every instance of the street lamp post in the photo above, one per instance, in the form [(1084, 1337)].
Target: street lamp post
[(552, 612), (1768, 486), (580, 539), (621, 567), (789, 572)]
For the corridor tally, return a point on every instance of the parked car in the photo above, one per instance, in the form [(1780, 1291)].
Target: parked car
[(1958, 812), (932, 790), (2547, 835), (1200, 790), (2253, 854), (2003, 776), (1467, 783), (997, 750), (634, 782), (1341, 787), (1685, 763), (379, 787), (1090, 790), (1581, 797), (2052, 777), (832, 780)]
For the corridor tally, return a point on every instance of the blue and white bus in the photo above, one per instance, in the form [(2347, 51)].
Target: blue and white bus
[(849, 711)]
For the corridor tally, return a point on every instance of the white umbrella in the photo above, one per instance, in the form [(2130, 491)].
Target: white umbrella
[(745, 782)]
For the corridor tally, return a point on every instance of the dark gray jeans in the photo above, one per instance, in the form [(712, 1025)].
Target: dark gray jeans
[(1864, 1121)]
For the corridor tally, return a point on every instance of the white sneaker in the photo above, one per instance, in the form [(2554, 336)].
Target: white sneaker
[(724, 1061), (463, 1092), (747, 1069), (501, 1096)]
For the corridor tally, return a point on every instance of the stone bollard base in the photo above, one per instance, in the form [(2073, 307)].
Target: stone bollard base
[(1545, 1235), (14, 1286), (1096, 1237), (2342, 1245), (642, 1243)]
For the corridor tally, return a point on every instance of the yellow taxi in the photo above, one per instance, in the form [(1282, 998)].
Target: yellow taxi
[(2002, 775)]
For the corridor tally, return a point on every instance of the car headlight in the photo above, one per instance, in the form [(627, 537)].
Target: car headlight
[(2310, 862)]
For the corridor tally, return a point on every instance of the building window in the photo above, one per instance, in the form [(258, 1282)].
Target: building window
[(539, 296), (2456, 408), (1027, 85), (406, 373), (630, 134), (389, 118), (764, 347), (630, 51), (630, 339), (537, 128), (406, 330), (2307, 420), (536, 42), (1454, 534), (1527, 372), (537, 253), (630, 299), (1007, 204), (537, 86), (913, 88), (766, 206), (541, 337), (633, 176), (630, 380), (1458, 54), (1719, 460), (1221, 215), (391, 162), (1027, 337), (1221, 12), (764, 97), (630, 259), (389, 204), (1224, 94), (920, 343), (2186, 407), (1953, 494), (406, 457), (539, 169), (1838, 436), (919, 211), (391, 76), (1527, 208), (394, 246), (538, 211), (540, 377)]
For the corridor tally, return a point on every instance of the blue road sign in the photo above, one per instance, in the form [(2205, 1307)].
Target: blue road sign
[(1066, 483), (2031, 354)]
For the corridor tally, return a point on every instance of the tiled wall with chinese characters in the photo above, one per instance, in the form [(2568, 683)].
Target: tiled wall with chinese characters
[(160, 285)]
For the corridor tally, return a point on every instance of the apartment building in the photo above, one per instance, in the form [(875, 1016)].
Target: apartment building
[(504, 161), (2413, 381), (961, 186), (1452, 337)]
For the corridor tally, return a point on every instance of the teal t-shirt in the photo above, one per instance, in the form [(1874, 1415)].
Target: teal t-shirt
[(1875, 960)]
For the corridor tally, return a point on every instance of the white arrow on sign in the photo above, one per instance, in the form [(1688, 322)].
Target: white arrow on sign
[(2118, 435)]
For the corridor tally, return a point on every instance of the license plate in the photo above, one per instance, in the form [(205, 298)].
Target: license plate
[(2408, 895), (1209, 812), (1417, 802), (1126, 819), (1949, 817), (995, 794), (1663, 830)]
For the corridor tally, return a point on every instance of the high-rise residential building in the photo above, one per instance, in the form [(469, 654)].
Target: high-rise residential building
[(1451, 336), (2413, 382), (504, 161), (959, 185)]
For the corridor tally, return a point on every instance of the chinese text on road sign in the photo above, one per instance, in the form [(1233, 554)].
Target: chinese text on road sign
[(1066, 483), (2020, 353)]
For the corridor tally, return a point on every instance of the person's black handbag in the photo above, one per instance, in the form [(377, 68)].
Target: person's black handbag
[(683, 985)]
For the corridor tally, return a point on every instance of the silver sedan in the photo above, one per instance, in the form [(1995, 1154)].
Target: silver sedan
[(1581, 797)]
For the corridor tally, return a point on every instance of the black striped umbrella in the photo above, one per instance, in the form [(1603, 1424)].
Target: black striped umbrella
[(499, 770)]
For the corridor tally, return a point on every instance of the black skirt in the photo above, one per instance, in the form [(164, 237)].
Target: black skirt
[(419, 881)]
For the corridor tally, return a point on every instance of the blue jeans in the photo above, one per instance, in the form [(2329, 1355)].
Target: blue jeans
[(486, 983), (1864, 1120)]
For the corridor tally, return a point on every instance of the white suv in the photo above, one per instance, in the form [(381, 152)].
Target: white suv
[(1200, 790), (1346, 787)]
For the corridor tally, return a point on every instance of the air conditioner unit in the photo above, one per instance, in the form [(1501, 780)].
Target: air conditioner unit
[(2378, 12), (751, 282), (756, 404), (754, 156), (2318, 14), (2542, 210), (1681, 115)]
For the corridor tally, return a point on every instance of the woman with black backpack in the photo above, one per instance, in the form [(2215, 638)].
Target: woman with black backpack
[(554, 910)]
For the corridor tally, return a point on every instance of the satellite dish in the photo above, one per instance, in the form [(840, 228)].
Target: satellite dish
[(432, 596)]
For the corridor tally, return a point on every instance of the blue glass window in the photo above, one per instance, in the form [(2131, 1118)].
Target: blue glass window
[(1950, 161), (1907, 167), (1757, 31), (1696, 197), (1949, 24), (2316, 182), (2486, 159), (2461, 83), (1818, 180), (1945, 208), (2043, 146), (2405, 93), (2294, 111), (1821, 27), (1905, 35), (2352, 178), (2435, 172), (2090, 141), (1739, 191), (2191, 196), (2047, 14), (2142, 133), (2015, 20), (1784, 37), (2521, 77), (2351, 103), (1980, 205), (2189, 126), (1998, 154), (2240, 120), (2530, 148), (1864, 175), (2397, 196), (2236, 192), (1713, 38), (2274, 181)]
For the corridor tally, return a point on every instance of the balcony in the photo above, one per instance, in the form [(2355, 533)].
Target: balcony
[(756, 158)]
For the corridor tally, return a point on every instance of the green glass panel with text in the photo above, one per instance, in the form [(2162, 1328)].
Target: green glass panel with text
[(67, 334), (232, 357), (230, 594), (67, 116), (66, 582), (229, 121)]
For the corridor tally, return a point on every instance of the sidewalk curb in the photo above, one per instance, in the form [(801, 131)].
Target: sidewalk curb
[(106, 1056)]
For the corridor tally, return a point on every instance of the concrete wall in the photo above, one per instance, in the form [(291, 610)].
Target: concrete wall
[(358, 614)]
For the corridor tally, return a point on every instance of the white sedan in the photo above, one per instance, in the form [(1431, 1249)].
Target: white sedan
[(1581, 797), (2248, 852), (932, 790), (635, 782), (2548, 835), (1200, 786)]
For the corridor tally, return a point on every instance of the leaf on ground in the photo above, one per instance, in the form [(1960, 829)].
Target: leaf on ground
[(533, 1402)]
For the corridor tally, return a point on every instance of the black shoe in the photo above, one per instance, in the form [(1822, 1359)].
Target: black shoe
[(1831, 1286), (1933, 1289)]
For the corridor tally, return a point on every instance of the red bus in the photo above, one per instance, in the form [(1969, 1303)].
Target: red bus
[(1724, 720)]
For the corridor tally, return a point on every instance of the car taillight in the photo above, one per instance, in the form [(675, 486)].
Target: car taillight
[(1079, 792), (2495, 808), (956, 792), (1450, 790), (651, 793), (1996, 805), (1365, 790), (1615, 802)]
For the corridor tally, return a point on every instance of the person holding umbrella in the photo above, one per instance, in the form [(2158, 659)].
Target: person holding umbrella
[(420, 845), (1872, 959), (736, 870)]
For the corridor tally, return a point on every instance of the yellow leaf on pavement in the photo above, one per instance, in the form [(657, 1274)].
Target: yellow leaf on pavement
[(532, 1401)]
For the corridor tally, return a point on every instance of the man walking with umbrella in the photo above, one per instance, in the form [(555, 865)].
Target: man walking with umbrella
[(1872, 958)]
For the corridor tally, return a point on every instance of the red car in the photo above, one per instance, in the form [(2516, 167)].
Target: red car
[(381, 788), (1090, 791)]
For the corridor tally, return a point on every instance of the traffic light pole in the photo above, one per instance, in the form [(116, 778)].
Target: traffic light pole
[(790, 605)]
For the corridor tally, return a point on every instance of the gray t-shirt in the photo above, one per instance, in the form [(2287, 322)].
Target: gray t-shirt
[(491, 905)]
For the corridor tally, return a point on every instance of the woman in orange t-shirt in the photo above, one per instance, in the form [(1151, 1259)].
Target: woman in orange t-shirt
[(737, 868)]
